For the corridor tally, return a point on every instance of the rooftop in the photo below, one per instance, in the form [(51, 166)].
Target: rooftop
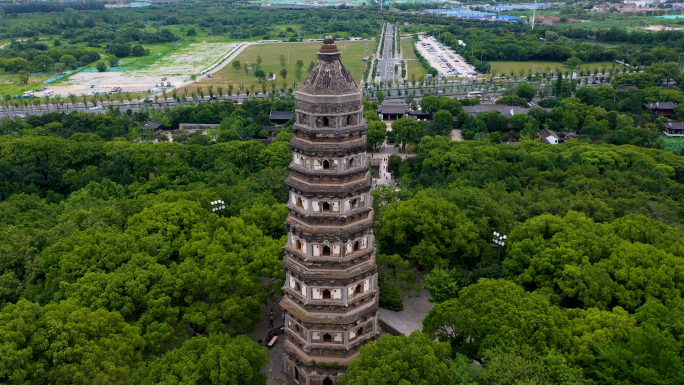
[(660, 106), (329, 76), (281, 115)]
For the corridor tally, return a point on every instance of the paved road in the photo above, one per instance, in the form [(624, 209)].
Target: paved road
[(388, 61)]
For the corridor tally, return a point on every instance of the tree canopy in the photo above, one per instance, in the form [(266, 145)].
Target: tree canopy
[(400, 360)]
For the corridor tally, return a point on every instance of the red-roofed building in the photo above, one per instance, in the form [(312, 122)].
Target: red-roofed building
[(552, 20)]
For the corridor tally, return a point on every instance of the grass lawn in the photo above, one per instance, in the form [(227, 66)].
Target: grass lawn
[(407, 51), (11, 84), (674, 145), (270, 53), (409, 54), (624, 21), (499, 67)]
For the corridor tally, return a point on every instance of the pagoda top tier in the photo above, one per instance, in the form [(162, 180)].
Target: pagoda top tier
[(329, 76)]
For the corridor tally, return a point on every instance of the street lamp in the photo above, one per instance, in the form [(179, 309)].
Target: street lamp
[(217, 205), (499, 241)]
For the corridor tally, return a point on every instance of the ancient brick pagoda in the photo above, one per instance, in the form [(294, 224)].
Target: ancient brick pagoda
[(331, 288)]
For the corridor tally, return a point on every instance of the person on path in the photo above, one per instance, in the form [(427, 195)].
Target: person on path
[(270, 319)]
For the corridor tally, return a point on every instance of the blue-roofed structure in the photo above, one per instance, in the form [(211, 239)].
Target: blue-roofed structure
[(465, 13), (514, 7)]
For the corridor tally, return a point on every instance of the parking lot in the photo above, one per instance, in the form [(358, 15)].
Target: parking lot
[(445, 60)]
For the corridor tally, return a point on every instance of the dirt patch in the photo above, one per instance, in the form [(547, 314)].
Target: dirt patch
[(176, 67)]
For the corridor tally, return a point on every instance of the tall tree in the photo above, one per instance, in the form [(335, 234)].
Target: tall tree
[(470, 324), (237, 66), (428, 229), (393, 360), (64, 343), (376, 133), (406, 131), (214, 359)]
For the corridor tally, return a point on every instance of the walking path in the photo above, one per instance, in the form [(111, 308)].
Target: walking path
[(274, 369), (411, 317), (386, 149)]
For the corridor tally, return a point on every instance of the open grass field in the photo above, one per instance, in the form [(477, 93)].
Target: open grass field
[(505, 67), (407, 51), (409, 54), (352, 54), (626, 21), (619, 20)]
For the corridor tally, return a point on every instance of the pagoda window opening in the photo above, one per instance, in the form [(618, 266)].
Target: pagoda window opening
[(326, 165), (358, 289), (326, 207), (298, 329), (356, 246), (300, 204), (351, 163), (326, 294), (304, 119), (298, 245), (325, 122), (350, 120), (360, 332), (327, 337), (326, 251), (327, 381), (354, 203), (298, 287)]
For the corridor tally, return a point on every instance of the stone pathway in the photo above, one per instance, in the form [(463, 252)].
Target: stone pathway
[(411, 318), (274, 368), (384, 152)]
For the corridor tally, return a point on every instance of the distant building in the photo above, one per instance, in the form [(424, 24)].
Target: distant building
[(673, 129), (550, 137), (420, 115), (513, 7), (661, 108), (466, 13), (392, 111), (280, 117), (151, 127), (625, 87), (272, 130), (554, 20), (551, 20)]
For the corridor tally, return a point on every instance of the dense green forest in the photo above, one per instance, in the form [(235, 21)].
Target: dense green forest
[(123, 232), (114, 269), (588, 289)]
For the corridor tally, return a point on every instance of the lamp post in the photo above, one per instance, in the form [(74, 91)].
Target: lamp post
[(500, 241), (217, 205)]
